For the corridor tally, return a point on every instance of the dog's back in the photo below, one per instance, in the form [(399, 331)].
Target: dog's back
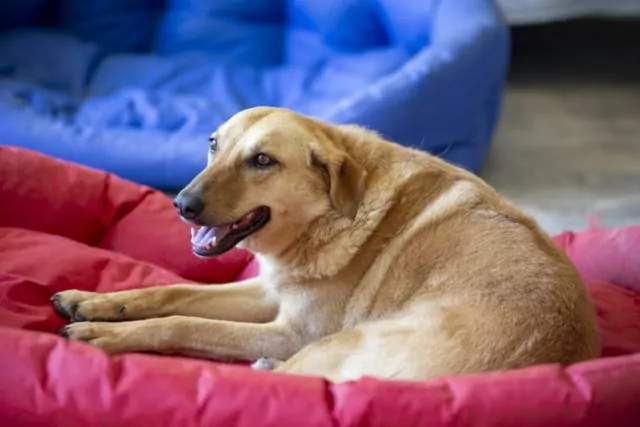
[(451, 279)]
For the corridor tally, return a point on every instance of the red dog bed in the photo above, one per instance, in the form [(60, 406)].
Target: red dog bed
[(63, 226)]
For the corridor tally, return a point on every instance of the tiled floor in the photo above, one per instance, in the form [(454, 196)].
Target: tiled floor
[(568, 144)]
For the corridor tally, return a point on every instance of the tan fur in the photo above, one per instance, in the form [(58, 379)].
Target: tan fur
[(378, 260)]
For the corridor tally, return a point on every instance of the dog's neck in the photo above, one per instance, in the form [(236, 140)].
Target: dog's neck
[(330, 243)]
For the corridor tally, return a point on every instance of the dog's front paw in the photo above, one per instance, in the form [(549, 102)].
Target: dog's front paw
[(107, 336), (66, 302), (80, 306)]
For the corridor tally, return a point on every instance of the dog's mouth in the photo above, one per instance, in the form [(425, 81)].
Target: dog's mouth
[(212, 241)]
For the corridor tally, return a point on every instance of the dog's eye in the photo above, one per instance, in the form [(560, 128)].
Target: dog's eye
[(262, 160), (213, 144)]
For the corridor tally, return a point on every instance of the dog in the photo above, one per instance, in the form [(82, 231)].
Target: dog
[(375, 260)]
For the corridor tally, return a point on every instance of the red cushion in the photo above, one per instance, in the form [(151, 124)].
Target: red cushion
[(64, 226), (604, 255)]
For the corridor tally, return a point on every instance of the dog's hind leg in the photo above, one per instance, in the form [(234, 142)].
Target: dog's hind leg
[(325, 357), (382, 349)]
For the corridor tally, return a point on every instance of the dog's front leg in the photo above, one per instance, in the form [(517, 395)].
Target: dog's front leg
[(191, 336), (247, 301)]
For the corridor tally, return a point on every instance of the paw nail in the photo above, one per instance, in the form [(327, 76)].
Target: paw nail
[(77, 316), (59, 308)]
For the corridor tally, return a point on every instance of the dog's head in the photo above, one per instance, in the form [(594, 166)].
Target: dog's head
[(270, 174)]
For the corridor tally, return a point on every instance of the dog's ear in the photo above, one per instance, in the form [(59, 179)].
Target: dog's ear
[(346, 179)]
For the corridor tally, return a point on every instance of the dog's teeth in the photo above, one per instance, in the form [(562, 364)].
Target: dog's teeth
[(213, 241), (193, 232)]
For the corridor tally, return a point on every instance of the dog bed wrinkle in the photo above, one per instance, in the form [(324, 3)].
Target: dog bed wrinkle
[(117, 213)]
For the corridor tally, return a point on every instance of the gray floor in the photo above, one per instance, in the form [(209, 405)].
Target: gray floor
[(568, 144)]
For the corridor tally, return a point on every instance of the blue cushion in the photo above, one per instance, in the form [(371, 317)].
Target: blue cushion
[(135, 86), (15, 13), (116, 25)]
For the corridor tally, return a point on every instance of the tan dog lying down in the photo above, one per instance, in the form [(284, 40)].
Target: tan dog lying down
[(375, 259)]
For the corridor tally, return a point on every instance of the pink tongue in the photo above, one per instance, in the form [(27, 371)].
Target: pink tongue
[(202, 236)]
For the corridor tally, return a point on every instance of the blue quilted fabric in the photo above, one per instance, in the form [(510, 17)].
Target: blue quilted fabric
[(136, 86)]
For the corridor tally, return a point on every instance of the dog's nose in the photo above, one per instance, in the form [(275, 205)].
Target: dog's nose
[(188, 205)]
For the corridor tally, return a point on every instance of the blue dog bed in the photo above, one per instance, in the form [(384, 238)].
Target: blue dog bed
[(136, 86)]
